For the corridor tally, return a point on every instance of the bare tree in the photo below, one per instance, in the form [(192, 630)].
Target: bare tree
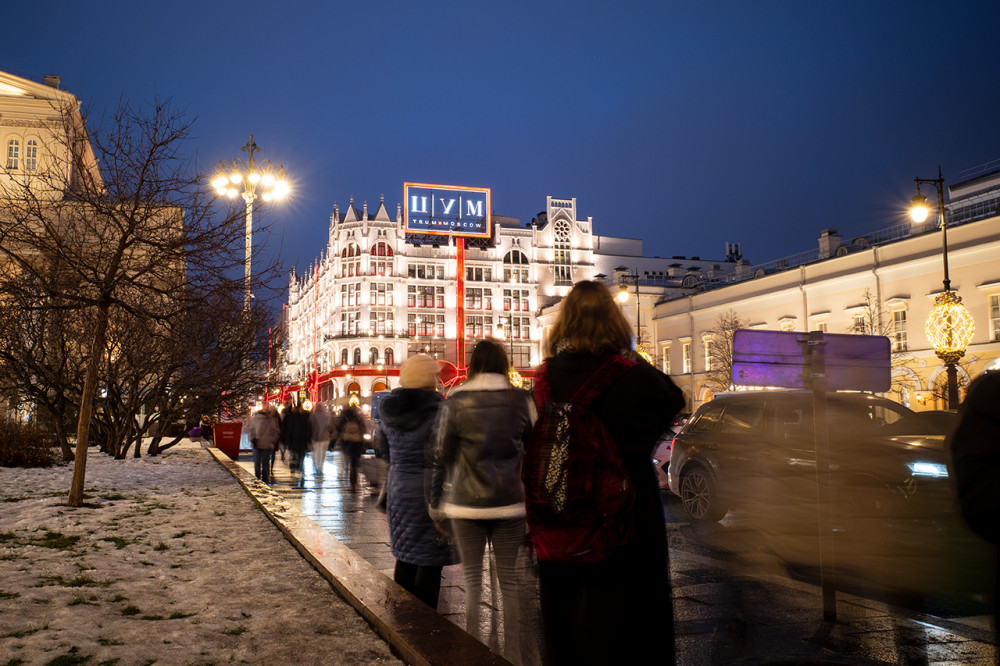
[(138, 237), (720, 351)]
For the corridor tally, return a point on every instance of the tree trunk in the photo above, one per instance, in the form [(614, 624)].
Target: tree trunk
[(86, 404)]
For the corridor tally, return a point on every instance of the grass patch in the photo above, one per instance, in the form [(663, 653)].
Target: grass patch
[(220, 513), (118, 541), (109, 641), (7, 536), (179, 615), (56, 540), (119, 597), (151, 617), (113, 496), (80, 601), (71, 658), (160, 547), (24, 632), (9, 595), (130, 610), (181, 535), (235, 631), (78, 581)]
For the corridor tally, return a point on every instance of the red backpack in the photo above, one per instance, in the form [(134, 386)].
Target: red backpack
[(578, 494)]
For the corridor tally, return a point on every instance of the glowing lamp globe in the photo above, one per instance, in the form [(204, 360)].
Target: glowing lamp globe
[(949, 327)]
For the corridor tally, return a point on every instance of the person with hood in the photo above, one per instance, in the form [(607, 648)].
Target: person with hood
[(295, 437), (264, 431), (320, 424), (407, 418), (479, 449)]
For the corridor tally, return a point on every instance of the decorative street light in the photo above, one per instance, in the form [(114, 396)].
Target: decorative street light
[(950, 325), (266, 180), (623, 296), (512, 374)]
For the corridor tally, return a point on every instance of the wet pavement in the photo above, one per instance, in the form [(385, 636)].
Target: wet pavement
[(726, 612)]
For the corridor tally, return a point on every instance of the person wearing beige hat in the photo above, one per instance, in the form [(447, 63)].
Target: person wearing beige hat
[(406, 426)]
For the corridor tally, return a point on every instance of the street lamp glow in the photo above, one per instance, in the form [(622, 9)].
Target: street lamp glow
[(919, 210), (623, 294)]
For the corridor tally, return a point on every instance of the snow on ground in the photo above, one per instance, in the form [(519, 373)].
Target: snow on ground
[(169, 562)]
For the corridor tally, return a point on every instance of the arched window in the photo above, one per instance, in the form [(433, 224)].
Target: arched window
[(357, 356), (379, 385), (343, 356), (515, 267), (381, 249), (388, 356), (31, 155), (373, 356), (13, 153)]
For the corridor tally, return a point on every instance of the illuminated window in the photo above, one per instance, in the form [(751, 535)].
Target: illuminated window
[(686, 358), (389, 357), (899, 330), (995, 317), (707, 342), (13, 153), (666, 359), (31, 155), (858, 324), (373, 356)]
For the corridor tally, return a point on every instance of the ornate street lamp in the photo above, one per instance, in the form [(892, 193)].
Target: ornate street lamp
[(623, 297), (264, 180), (512, 374), (950, 325)]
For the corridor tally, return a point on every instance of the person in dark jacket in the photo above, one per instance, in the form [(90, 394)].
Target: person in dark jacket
[(477, 485), (617, 610), (352, 429), (295, 437), (974, 447), (406, 423)]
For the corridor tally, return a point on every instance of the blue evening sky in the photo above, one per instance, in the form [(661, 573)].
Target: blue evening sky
[(686, 124)]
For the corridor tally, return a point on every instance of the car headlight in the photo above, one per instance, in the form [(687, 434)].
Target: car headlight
[(935, 470)]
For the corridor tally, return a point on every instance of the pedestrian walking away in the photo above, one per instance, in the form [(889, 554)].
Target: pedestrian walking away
[(352, 429), (320, 428), (477, 483), (295, 436), (616, 609), (406, 425), (264, 431)]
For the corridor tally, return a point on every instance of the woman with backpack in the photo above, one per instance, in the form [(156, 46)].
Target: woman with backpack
[(476, 485), (604, 591)]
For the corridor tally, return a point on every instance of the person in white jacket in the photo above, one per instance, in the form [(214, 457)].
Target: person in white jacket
[(319, 426)]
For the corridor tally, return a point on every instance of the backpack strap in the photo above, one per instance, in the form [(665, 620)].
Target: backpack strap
[(601, 379)]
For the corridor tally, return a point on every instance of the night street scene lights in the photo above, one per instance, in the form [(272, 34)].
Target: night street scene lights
[(265, 180), (950, 325), (623, 297)]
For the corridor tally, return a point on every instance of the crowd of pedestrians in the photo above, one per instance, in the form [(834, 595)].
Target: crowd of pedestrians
[(456, 483)]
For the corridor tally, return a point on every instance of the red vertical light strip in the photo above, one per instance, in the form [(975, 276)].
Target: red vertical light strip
[(313, 394), (460, 309)]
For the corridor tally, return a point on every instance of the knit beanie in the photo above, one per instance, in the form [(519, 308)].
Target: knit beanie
[(418, 371)]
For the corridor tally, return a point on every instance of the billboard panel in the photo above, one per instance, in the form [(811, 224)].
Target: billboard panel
[(447, 210)]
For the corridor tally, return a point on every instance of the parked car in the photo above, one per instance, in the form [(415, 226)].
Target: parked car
[(754, 454), (662, 450)]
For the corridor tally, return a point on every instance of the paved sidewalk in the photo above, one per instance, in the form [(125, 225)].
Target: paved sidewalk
[(724, 613)]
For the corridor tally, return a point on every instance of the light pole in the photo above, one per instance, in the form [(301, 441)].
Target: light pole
[(266, 178), (623, 298), (512, 374), (950, 325)]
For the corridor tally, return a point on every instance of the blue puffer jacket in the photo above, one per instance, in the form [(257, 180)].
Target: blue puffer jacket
[(405, 432)]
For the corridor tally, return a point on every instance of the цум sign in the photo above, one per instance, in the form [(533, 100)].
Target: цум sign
[(447, 210)]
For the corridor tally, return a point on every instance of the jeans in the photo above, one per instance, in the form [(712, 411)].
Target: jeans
[(507, 536)]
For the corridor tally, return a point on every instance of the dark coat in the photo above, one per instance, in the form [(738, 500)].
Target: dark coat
[(295, 431), (407, 418), (627, 596), (975, 466)]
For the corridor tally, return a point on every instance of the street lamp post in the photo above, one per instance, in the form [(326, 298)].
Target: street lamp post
[(623, 298), (266, 179), (950, 325)]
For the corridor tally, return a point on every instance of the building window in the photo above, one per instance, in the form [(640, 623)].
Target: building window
[(13, 153), (343, 356), (899, 330), (515, 267), (858, 324), (357, 356), (381, 293), (821, 327), (478, 326), (479, 299), (373, 356), (666, 359), (389, 357), (686, 358), (995, 317), (31, 155), (478, 274), (707, 341)]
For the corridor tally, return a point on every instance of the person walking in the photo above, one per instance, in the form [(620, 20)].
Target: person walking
[(406, 424), (264, 432), (352, 429), (476, 485), (295, 436), (618, 609), (320, 426)]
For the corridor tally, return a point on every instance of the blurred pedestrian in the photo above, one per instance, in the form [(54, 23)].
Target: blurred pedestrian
[(296, 436), (206, 429), (974, 447), (477, 482), (264, 432), (352, 429), (406, 423), (320, 428), (617, 609)]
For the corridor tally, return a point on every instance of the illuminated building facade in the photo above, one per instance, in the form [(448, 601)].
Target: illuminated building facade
[(377, 294)]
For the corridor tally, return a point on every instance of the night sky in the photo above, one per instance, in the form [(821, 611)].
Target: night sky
[(685, 124)]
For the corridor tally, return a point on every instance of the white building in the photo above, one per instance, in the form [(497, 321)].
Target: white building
[(376, 294), (886, 281)]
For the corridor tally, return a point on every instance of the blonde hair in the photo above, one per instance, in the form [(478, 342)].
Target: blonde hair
[(590, 322)]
